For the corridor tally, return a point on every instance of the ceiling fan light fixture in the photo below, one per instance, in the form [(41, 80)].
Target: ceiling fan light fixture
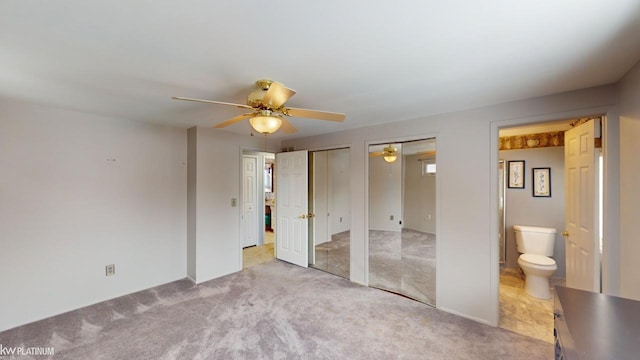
[(265, 124), (390, 158)]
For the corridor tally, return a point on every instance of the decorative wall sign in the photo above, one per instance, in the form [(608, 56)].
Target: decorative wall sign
[(516, 174), (541, 179), (548, 139)]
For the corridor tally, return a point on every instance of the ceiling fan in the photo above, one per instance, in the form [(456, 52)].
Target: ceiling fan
[(268, 113)]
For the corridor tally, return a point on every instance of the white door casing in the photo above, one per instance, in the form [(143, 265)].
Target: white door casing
[(320, 198), (581, 223), (250, 201), (292, 207)]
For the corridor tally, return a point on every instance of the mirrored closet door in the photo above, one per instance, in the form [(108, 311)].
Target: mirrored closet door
[(402, 218), (330, 185)]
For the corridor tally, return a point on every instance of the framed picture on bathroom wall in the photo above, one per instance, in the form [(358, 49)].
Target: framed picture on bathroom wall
[(515, 169), (541, 180)]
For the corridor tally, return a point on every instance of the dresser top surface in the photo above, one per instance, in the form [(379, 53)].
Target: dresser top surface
[(601, 326)]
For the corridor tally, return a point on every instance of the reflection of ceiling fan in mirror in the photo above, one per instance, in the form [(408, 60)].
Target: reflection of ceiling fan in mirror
[(268, 111), (389, 153), (426, 155)]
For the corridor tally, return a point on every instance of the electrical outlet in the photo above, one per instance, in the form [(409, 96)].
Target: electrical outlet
[(391, 217), (234, 202), (110, 269)]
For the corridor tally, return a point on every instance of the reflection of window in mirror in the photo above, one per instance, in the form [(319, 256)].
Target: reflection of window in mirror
[(268, 177), (428, 168)]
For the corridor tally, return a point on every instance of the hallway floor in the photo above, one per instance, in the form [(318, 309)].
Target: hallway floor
[(522, 313), (254, 255)]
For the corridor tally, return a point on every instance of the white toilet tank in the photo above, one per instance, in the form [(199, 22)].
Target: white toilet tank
[(535, 240)]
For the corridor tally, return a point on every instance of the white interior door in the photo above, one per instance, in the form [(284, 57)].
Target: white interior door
[(292, 207), (250, 200), (581, 225)]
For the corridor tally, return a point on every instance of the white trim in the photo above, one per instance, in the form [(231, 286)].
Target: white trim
[(466, 316)]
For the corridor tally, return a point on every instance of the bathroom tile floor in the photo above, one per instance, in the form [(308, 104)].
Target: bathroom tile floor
[(522, 313)]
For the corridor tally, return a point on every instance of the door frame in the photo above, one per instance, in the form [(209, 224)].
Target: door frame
[(611, 200), (250, 151)]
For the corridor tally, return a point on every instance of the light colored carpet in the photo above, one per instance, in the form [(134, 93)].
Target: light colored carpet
[(404, 262), (270, 311), (333, 256)]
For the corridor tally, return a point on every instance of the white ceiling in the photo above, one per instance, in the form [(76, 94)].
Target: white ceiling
[(375, 61)]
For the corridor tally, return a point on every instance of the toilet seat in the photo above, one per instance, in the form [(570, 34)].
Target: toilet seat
[(538, 260)]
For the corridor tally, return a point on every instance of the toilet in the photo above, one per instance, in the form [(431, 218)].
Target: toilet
[(536, 246)]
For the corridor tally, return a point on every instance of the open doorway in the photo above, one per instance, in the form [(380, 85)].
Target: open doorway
[(258, 207), (533, 152)]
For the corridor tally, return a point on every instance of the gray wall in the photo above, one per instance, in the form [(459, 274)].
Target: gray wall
[(524, 209), (339, 206), (468, 269), (385, 194), (77, 192), (629, 189)]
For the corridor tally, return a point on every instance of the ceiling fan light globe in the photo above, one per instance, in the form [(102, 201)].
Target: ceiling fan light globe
[(265, 124), (390, 158)]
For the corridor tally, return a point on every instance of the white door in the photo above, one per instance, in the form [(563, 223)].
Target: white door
[(581, 225), (250, 211), (292, 207)]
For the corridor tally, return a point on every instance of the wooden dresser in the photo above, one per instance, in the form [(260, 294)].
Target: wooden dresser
[(595, 326)]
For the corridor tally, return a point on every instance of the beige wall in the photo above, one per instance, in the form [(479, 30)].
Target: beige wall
[(467, 255), (629, 184), (419, 206)]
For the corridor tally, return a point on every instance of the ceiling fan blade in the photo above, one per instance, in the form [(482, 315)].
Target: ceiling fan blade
[(277, 95), (234, 120), (426, 154), (241, 106), (377, 153), (315, 114), (288, 127)]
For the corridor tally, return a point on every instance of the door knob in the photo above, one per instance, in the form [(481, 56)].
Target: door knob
[(303, 216), (565, 233), (311, 215)]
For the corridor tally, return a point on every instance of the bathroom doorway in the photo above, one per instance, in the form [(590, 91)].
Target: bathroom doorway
[(533, 147)]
